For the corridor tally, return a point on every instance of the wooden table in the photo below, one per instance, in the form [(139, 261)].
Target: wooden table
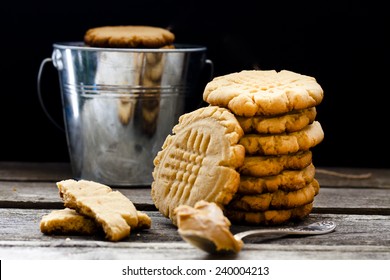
[(359, 206)]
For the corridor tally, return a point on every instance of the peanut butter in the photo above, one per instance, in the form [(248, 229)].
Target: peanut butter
[(206, 220)]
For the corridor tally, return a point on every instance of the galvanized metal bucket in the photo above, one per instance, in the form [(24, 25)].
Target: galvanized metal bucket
[(120, 104)]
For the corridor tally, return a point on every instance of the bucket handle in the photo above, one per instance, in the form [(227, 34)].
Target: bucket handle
[(43, 63)]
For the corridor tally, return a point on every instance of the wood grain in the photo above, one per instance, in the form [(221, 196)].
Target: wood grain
[(360, 208), (352, 238)]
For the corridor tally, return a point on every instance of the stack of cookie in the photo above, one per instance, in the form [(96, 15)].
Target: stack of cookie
[(249, 151), (277, 112)]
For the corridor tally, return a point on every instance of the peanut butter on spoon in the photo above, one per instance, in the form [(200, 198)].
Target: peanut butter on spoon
[(207, 228), (206, 221)]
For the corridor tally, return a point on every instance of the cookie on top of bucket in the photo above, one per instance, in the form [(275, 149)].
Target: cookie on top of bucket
[(129, 36)]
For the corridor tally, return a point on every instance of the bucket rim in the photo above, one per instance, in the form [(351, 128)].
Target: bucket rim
[(79, 45)]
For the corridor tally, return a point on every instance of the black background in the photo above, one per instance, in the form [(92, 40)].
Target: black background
[(341, 44)]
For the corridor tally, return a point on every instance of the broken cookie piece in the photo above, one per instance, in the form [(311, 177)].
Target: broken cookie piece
[(67, 221), (113, 211)]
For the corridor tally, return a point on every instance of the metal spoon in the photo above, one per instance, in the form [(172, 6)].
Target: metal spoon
[(208, 245)]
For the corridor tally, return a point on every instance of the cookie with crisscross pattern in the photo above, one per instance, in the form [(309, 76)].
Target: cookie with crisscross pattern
[(198, 161), (263, 92)]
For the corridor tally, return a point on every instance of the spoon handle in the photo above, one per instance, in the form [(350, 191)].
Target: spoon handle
[(315, 228)]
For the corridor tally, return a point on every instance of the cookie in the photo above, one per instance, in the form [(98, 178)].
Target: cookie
[(285, 143), (261, 166), (129, 36), (67, 221), (113, 211), (144, 221), (268, 217), (276, 200), (198, 161), (289, 122), (287, 180), (269, 93)]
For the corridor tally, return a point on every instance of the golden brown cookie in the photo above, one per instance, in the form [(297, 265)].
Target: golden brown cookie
[(114, 212), (198, 161), (268, 217), (258, 92), (285, 143), (261, 166), (144, 221), (287, 180), (128, 36), (67, 221), (276, 200), (289, 122)]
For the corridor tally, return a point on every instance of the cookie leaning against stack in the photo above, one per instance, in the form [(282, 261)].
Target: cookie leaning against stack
[(198, 161), (277, 112)]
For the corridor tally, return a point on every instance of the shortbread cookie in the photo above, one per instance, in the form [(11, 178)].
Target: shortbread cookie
[(198, 161), (111, 209), (287, 180), (144, 221), (261, 166), (285, 143), (290, 122), (276, 200), (257, 92), (67, 221), (269, 217), (130, 36)]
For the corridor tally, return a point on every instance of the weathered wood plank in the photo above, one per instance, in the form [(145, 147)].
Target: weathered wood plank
[(360, 207), (344, 177), (353, 201), (45, 195), (69, 250), (356, 237), (34, 171), (55, 171), (370, 230), (338, 200)]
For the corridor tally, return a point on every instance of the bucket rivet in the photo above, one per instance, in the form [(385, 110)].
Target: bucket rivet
[(57, 60)]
